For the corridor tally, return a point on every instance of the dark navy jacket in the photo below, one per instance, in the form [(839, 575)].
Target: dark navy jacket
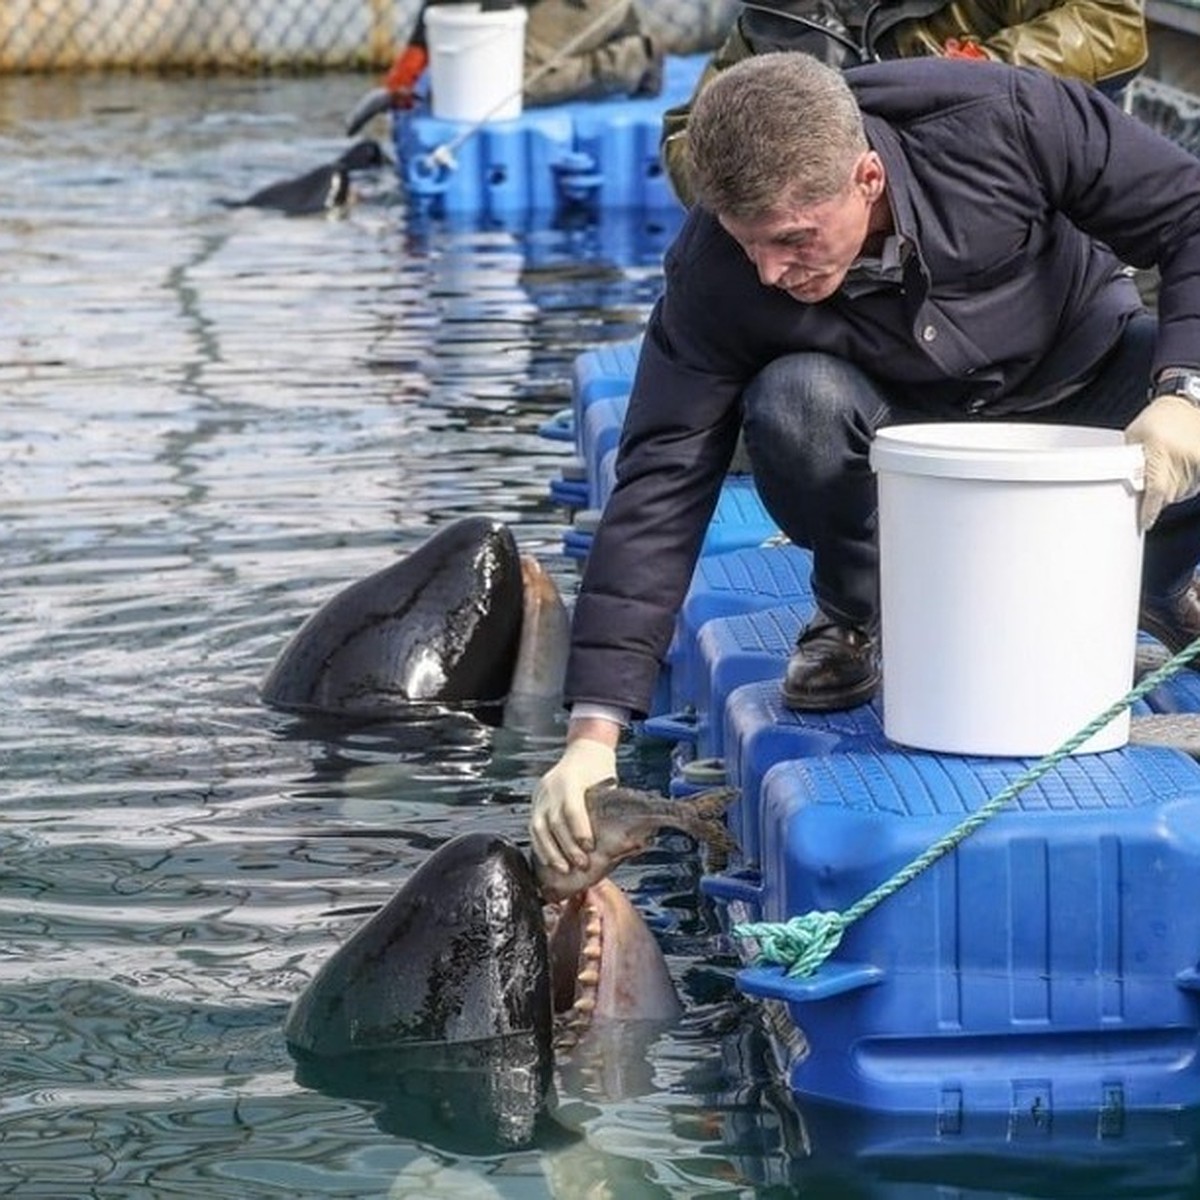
[(1012, 184)]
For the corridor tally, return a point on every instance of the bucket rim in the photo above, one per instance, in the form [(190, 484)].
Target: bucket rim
[(1008, 450), (471, 16)]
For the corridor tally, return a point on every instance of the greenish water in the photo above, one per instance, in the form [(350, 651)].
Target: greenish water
[(213, 419)]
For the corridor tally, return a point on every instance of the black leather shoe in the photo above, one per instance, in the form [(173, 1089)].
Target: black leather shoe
[(1175, 621), (833, 667)]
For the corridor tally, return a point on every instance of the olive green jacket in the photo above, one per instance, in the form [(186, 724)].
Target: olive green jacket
[(1092, 40)]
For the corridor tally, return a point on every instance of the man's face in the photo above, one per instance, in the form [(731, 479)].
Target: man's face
[(806, 252)]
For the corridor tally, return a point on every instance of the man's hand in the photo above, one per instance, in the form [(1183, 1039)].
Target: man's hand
[(559, 826), (961, 48), (1168, 429)]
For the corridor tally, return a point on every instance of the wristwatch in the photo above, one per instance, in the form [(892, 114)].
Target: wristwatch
[(1178, 383)]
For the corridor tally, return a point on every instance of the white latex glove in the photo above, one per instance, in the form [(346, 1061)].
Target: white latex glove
[(1169, 430), (559, 826)]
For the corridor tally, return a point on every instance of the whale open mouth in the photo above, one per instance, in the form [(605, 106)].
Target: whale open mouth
[(446, 1007), (575, 932), (605, 965)]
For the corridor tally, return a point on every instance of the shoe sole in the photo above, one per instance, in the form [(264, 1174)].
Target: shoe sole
[(807, 702)]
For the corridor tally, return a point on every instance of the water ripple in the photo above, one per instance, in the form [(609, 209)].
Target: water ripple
[(213, 421)]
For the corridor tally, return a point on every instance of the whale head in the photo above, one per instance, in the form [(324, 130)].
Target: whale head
[(441, 625)]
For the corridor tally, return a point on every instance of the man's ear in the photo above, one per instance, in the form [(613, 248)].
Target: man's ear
[(870, 175)]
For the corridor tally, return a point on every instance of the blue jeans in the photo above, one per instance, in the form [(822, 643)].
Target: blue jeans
[(808, 424)]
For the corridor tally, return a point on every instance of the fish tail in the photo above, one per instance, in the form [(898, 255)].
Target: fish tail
[(706, 818), (711, 805)]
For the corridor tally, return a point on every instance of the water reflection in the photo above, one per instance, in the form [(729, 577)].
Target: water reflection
[(480, 1100), (214, 420)]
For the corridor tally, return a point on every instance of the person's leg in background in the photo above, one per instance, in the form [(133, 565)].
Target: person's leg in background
[(613, 57)]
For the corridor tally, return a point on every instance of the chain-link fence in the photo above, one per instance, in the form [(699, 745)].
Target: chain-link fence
[(1170, 110), (260, 35)]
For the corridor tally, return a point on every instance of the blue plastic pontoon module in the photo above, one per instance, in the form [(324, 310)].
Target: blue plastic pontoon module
[(587, 154), (1049, 962)]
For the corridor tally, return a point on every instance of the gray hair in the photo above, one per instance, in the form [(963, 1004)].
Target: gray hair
[(773, 130)]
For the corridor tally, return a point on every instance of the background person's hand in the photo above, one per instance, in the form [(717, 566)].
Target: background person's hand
[(1168, 429), (559, 826), (962, 48)]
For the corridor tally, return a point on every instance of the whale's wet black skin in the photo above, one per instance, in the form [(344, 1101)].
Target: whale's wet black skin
[(443, 624)]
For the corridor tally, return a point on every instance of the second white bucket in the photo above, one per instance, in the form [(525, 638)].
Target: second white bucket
[(476, 61), (1010, 569)]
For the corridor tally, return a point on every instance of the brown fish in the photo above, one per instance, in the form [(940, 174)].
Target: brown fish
[(624, 820)]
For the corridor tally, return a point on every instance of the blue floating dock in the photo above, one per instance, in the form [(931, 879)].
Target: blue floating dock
[(733, 651), (606, 370), (739, 521), (727, 585), (1180, 694), (591, 154), (1051, 959), (1046, 967), (600, 432), (759, 732)]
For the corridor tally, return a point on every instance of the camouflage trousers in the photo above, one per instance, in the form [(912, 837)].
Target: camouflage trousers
[(613, 55)]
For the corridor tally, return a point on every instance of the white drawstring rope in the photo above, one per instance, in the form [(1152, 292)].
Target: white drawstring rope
[(443, 155)]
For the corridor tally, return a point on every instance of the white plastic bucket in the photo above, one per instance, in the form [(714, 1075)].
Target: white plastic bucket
[(1010, 568), (476, 61)]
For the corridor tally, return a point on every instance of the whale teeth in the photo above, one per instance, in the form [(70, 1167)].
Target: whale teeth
[(572, 1027)]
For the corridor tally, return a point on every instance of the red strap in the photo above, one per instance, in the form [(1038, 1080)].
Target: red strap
[(406, 69)]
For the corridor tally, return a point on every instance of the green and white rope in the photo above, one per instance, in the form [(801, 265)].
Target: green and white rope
[(803, 943)]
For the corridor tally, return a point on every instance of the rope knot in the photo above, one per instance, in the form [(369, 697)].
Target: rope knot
[(800, 945)]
